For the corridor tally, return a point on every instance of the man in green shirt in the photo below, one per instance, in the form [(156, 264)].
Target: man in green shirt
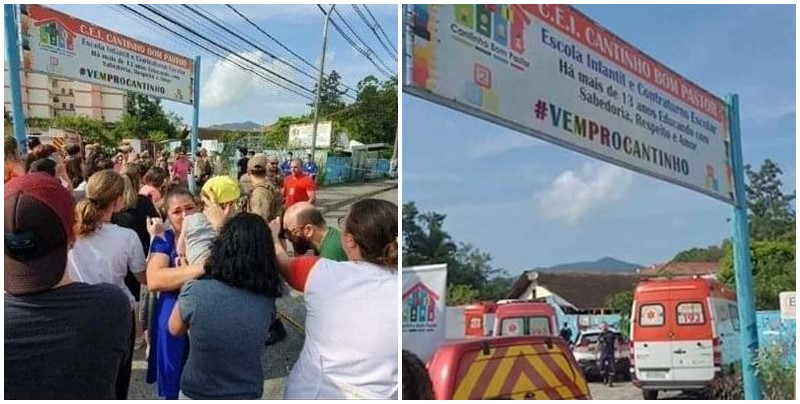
[(303, 222)]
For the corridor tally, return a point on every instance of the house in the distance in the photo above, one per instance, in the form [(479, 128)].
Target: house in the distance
[(574, 292), (708, 270)]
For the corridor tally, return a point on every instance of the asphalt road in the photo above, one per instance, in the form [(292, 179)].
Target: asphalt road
[(627, 391), (278, 359)]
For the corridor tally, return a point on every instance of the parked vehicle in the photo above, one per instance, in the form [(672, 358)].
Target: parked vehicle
[(525, 318), (685, 334), (525, 367), (587, 354)]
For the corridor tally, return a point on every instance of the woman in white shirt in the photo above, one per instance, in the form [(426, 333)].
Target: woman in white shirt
[(104, 252), (350, 349)]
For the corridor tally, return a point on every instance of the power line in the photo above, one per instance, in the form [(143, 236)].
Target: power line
[(388, 41), (392, 55), (358, 37), (270, 54), (221, 38), (226, 58), (354, 45), (305, 61)]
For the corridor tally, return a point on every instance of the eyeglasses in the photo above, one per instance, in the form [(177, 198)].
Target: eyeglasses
[(292, 231)]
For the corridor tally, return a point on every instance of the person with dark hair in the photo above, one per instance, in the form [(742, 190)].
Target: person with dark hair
[(153, 183), (416, 380), (242, 163), (33, 142), (166, 275), (202, 168), (310, 167), (55, 165), (63, 339), (181, 167), (227, 313), (566, 333), (286, 166), (361, 357), (74, 164), (105, 252), (46, 166), (11, 164)]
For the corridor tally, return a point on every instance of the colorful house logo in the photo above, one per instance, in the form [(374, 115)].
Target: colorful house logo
[(53, 33), (503, 24), (419, 304)]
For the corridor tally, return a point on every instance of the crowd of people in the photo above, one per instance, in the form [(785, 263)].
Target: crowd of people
[(104, 255)]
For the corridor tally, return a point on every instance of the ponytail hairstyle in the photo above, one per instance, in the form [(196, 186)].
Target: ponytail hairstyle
[(102, 190), (373, 225)]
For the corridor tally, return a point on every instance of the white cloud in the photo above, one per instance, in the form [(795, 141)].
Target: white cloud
[(574, 194), (500, 143), (226, 84)]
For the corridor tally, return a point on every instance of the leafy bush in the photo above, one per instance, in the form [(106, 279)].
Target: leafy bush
[(777, 377)]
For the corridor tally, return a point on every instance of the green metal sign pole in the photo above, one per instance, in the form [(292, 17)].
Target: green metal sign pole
[(741, 258)]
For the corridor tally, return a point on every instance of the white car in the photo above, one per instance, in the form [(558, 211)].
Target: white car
[(586, 353)]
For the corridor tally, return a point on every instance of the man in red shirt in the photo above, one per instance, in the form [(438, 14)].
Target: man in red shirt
[(298, 187)]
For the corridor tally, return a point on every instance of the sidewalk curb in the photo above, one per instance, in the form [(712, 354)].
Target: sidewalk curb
[(348, 201)]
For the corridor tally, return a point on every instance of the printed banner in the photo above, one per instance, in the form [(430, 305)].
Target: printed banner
[(300, 135), (58, 44), (424, 295), (551, 72)]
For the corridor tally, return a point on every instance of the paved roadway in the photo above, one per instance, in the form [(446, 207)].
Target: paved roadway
[(279, 358), (627, 391)]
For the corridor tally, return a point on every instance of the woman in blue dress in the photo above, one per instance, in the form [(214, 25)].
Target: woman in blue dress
[(166, 275)]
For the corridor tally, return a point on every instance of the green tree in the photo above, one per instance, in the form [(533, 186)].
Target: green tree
[(711, 253), (470, 273), (330, 99), (622, 303), (373, 117), (461, 294), (7, 120), (771, 214), (91, 130), (144, 114), (774, 270)]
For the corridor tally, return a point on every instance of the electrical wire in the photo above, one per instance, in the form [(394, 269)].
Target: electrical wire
[(354, 45), (219, 55), (305, 61), (392, 54), (364, 44), (388, 41)]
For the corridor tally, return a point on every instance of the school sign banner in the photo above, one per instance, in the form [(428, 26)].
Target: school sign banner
[(58, 44), (551, 72)]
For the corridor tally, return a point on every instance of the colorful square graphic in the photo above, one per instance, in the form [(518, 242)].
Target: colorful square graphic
[(482, 75)]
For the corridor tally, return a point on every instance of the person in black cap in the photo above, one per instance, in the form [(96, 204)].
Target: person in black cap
[(63, 339)]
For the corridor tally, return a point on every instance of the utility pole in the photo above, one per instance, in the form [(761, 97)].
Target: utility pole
[(319, 82)]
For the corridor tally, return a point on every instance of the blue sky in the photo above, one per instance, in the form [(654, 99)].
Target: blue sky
[(531, 204), (231, 95)]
